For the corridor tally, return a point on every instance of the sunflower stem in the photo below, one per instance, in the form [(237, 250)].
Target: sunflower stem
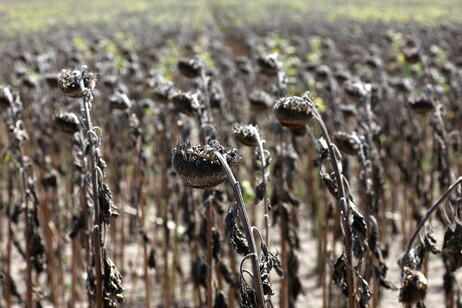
[(430, 211), (343, 208), (258, 284)]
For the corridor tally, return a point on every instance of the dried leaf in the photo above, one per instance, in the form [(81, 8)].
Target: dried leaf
[(339, 274), (152, 259), (220, 300), (108, 208), (359, 234), (247, 296), (260, 192), (78, 225), (365, 293), (234, 234), (112, 284), (199, 272), (452, 247)]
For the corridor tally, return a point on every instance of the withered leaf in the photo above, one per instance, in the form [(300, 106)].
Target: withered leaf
[(199, 272), (452, 247), (260, 192), (233, 232), (365, 293), (112, 284), (152, 259), (108, 208), (247, 296), (220, 300), (359, 234), (78, 225), (339, 274)]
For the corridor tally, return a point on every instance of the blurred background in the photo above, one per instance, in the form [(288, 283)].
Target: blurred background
[(37, 15)]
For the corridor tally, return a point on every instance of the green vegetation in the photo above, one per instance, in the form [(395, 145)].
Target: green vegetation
[(36, 15)]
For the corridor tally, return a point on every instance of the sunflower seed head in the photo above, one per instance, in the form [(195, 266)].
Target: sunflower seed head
[(414, 287), (66, 122), (186, 103), (246, 134), (293, 111), (6, 97), (69, 81), (190, 68), (346, 143), (199, 167), (119, 101), (260, 100), (269, 64)]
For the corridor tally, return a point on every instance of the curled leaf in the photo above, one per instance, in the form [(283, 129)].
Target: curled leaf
[(234, 234), (452, 247)]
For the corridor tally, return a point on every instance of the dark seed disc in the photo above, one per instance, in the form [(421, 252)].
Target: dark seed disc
[(414, 287), (66, 122), (68, 82), (346, 143), (260, 100), (190, 68), (246, 134), (185, 103), (6, 97), (292, 111), (198, 167)]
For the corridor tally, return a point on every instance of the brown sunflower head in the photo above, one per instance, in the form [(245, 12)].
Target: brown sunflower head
[(414, 288), (355, 90), (322, 72), (119, 101), (162, 89), (50, 179), (216, 95), (342, 76), (346, 143), (199, 167), (411, 55), (422, 104), (190, 68), (66, 122), (246, 134), (186, 102), (260, 100), (51, 80), (6, 97), (243, 65), (293, 111), (269, 64), (403, 85), (69, 81)]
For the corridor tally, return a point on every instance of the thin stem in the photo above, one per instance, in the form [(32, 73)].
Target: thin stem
[(140, 198), (258, 285), (9, 239), (205, 118), (265, 191), (344, 208), (209, 255), (26, 232), (98, 262), (208, 108), (430, 211), (51, 255), (283, 226), (96, 243)]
